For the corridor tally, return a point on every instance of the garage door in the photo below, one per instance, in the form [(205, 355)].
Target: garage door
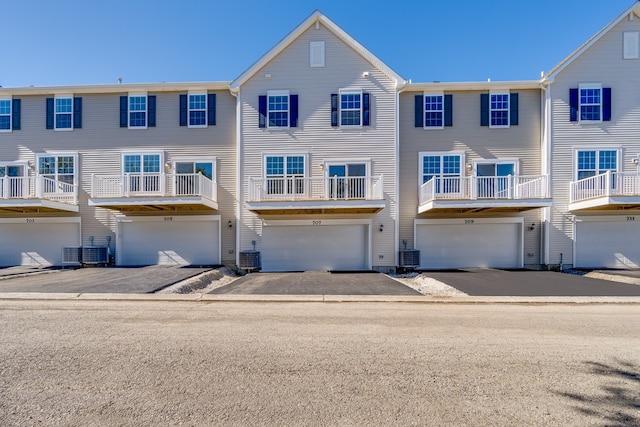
[(607, 242), (37, 241), (315, 247), (469, 243), (168, 240)]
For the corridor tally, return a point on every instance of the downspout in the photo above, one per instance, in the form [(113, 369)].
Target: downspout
[(400, 87), (546, 149), (236, 93)]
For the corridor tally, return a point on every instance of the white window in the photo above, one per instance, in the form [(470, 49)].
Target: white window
[(444, 168), (63, 112), (631, 45), (434, 111), (499, 109), (285, 174), (494, 178), (138, 111), (143, 172), (278, 106), (316, 53), (5, 114), (590, 102), (595, 162), (348, 179), (187, 178), (350, 108), (57, 170), (197, 106)]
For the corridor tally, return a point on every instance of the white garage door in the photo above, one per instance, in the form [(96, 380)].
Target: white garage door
[(168, 240), (470, 243), (607, 241), (37, 241), (315, 247)]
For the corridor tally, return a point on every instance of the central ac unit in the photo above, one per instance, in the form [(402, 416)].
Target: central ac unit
[(95, 255), (250, 260), (409, 258), (72, 255)]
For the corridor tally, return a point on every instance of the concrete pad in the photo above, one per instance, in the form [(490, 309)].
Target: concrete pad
[(129, 280), (527, 283), (316, 283)]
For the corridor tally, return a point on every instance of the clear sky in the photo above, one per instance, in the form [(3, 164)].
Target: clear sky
[(73, 42)]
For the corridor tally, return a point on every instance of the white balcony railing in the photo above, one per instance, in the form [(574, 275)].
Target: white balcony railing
[(38, 187), (158, 185), (511, 187), (604, 185), (302, 189)]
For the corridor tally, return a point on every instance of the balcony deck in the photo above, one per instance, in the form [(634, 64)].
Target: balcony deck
[(300, 195), (37, 194), (607, 191), (476, 194), (159, 192)]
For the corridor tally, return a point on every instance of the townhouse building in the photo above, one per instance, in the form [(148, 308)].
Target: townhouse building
[(320, 156)]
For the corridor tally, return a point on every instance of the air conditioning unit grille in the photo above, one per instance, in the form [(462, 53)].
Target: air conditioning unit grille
[(94, 255), (409, 258), (250, 260), (72, 255)]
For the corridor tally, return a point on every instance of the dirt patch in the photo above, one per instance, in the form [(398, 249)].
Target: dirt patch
[(203, 283), (427, 285)]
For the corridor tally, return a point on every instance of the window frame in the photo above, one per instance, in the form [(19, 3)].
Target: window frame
[(56, 173), (631, 45), (441, 154), (278, 93), (600, 104), (130, 111), (425, 111), (141, 154), (506, 111), (319, 47), (298, 190), (190, 110), (194, 160), (9, 100), (56, 114), (597, 170), (360, 110)]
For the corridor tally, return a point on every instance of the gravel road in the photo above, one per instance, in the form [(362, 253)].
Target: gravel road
[(294, 364)]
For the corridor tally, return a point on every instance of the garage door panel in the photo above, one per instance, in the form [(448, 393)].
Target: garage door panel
[(169, 243), (36, 243), (609, 243), (489, 245), (300, 247)]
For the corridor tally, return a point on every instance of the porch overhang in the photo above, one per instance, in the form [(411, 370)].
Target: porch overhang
[(155, 204), (27, 206), (316, 207), (473, 206), (606, 203)]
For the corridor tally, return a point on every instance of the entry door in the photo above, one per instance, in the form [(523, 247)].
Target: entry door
[(348, 181), (186, 181), (493, 181)]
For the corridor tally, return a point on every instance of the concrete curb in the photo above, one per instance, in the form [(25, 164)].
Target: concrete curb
[(613, 277), (210, 298)]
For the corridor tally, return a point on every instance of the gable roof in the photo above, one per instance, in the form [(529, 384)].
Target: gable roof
[(315, 17), (633, 9)]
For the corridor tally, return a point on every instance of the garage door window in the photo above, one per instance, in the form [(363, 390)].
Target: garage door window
[(445, 169), (285, 174)]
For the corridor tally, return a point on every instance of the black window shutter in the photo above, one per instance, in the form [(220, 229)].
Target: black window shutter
[(293, 115), (448, 110), (419, 111), (15, 114), (365, 109), (262, 111), (183, 110), (124, 111), (50, 113), (513, 109), (606, 104), (573, 103), (211, 113), (77, 112), (151, 99), (334, 109), (484, 109)]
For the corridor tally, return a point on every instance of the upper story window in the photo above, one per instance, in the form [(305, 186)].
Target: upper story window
[(499, 109), (595, 162), (278, 110), (64, 112), (285, 174), (444, 168), (57, 168), (143, 172), (198, 109), (350, 108), (138, 111), (590, 103), (5, 115), (434, 111)]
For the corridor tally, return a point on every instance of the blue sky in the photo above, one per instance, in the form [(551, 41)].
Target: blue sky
[(73, 42)]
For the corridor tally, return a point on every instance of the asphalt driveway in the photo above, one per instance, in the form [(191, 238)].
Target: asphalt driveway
[(527, 283), (123, 280), (316, 283)]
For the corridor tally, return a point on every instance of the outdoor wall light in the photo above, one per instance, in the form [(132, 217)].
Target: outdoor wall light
[(381, 228), (532, 227), (230, 224)]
